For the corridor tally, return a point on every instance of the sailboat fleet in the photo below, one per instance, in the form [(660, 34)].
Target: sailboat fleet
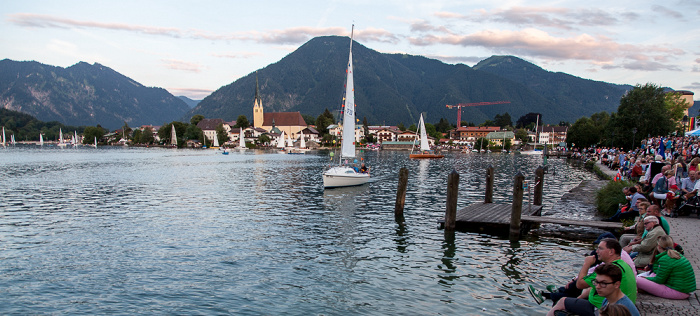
[(344, 175)]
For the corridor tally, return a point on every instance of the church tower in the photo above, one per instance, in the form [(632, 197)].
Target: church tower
[(258, 117)]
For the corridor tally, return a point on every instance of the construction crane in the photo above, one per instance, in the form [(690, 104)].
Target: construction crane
[(461, 105)]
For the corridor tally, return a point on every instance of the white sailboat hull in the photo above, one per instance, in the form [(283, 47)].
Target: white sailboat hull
[(341, 176), (531, 152)]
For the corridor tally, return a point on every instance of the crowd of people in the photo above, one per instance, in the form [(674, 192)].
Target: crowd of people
[(645, 259)]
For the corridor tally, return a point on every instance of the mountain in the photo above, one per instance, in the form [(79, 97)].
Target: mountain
[(558, 87), (394, 88), (190, 103), (84, 94)]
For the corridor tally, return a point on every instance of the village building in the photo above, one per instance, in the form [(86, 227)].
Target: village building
[(291, 123), (552, 134), (498, 138), (208, 126), (385, 133), (469, 134)]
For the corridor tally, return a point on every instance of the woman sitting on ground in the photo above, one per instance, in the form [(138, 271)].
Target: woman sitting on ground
[(673, 276), (645, 249)]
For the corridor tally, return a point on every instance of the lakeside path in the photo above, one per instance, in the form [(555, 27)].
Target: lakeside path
[(685, 231)]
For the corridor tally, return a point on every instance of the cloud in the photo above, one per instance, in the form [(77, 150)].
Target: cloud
[(457, 59), (192, 93), (697, 60), (693, 86), (555, 17), (643, 65), (294, 35), (668, 12), (533, 42), (241, 55), (181, 65)]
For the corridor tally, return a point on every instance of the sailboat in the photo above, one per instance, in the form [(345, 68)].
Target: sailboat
[(75, 139), (216, 141), (3, 136), (280, 141), (41, 139), (95, 141), (61, 143), (425, 151), (343, 175), (241, 140), (534, 150), (204, 140), (12, 140), (173, 137)]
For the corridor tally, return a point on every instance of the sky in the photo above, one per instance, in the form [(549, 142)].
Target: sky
[(192, 48)]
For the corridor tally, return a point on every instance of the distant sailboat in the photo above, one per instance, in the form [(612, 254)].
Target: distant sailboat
[(344, 175), (13, 140), (204, 140), (95, 141), (61, 143), (75, 138), (173, 137), (41, 139), (216, 141), (534, 150), (3, 136), (280, 141), (425, 151), (241, 139), (302, 142)]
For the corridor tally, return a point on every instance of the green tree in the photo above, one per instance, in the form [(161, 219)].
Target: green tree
[(443, 126), (401, 127), (503, 120), (646, 108), (323, 121), (521, 135), (196, 119), (136, 136), (180, 129), (264, 139), (127, 130), (242, 121), (481, 143), (365, 126), (413, 128), (488, 123), (221, 134), (508, 144), (147, 136), (91, 132), (308, 119), (193, 132)]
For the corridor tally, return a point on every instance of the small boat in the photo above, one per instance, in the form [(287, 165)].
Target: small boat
[(425, 151), (241, 140), (344, 175), (216, 141), (61, 143), (173, 137), (41, 139), (3, 136), (224, 152)]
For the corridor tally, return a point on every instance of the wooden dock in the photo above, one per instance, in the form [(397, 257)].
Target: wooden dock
[(495, 219)]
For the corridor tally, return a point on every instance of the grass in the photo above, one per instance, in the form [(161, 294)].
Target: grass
[(608, 198)]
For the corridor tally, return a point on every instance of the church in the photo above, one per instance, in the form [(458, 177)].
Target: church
[(291, 123)]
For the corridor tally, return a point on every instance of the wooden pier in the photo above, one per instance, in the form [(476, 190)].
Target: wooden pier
[(513, 219)]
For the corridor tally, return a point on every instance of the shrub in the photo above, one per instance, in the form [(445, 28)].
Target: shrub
[(608, 198)]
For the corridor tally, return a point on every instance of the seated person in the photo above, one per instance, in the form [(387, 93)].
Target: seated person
[(660, 188), (645, 249), (607, 283), (609, 251), (637, 227), (630, 211), (672, 277), (364, 169)]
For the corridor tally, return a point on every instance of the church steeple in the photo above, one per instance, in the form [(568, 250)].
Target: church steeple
[(258, 116)]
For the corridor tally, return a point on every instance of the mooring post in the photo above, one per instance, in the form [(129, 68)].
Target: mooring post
[(452, 190), (517, 207), (539, 185), (401, 193), (489, 185)]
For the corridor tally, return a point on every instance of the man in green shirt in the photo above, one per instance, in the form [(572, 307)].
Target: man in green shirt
[(608, 251)]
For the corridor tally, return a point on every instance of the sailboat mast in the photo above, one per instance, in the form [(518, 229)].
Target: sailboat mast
[(348, 144)]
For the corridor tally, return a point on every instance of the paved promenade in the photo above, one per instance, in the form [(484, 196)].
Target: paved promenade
[(685, 230)]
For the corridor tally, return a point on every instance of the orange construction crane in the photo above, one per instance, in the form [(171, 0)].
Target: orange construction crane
[(461, 105)]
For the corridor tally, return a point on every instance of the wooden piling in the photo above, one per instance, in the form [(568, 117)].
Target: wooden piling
[(452, 190), (401, 193), (517, 207), (488, 198), (539, 185)]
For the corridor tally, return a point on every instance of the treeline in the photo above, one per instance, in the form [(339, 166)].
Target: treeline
[(27, 128), (644, 111)]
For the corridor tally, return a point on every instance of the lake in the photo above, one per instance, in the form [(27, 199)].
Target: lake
[(177, 231)]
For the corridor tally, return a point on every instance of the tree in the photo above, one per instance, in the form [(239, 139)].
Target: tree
[(242, 121), (444, 126), (91, 132), (401, 127), (481, 143), (196, 119), (503, 120), (646, 108), (147, 135), (127, 130), (528, 118), (264, 139), (324, 120), (180, 129), (365, 126), (521, 135), (586, 132), (136, 136), (507, 145), (221, 134), (308, 119)]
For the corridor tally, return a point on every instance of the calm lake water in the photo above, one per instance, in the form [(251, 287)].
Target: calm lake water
[(165, 231)]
